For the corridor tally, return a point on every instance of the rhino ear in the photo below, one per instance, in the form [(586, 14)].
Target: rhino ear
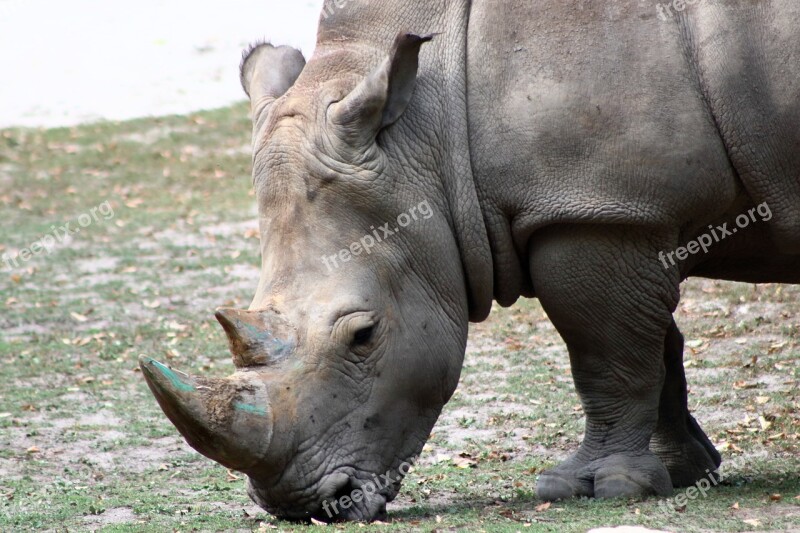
[(267, 72), (381, 97)]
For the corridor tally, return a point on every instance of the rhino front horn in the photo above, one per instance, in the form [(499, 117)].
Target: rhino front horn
[(227, 420)]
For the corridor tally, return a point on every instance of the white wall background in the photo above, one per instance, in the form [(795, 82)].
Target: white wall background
[(64, 62)]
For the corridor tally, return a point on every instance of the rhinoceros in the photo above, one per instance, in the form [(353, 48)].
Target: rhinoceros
[(436, 156)]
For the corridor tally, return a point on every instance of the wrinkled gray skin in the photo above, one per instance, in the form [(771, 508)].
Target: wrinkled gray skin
[(589, 138)]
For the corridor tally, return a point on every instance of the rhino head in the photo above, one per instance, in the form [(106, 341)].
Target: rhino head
[(354, 340)]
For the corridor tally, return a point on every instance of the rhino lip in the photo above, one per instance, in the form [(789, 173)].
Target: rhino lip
[(368, 509), (329, 509)]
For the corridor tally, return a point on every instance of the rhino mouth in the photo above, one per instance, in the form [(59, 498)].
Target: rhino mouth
[(342, 498), (369, 508)]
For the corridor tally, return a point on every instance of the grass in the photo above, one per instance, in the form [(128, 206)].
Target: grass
[(83, 445)]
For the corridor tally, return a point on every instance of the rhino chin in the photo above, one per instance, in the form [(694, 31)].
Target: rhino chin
[(227, 420), (337, 503)]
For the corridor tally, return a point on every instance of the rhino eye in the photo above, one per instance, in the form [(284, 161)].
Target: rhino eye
[(363, 336)]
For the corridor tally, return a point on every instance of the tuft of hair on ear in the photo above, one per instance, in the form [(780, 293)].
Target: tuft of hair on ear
[(246, 54)]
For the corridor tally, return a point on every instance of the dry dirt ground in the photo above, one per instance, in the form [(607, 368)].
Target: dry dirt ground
[(84, 446)]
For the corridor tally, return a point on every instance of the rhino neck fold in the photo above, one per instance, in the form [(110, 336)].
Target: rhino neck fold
[(440, 100)]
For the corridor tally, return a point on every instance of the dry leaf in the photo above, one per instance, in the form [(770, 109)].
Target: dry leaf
[(440, 458), (753, 522), (316, 522), (777, 346), (78, 317), (775, 497), (464, 461), (735, 506), (152, 304), (542, 507)]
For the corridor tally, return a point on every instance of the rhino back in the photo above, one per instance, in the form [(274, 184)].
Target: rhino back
[(747, 54), (599, 113)]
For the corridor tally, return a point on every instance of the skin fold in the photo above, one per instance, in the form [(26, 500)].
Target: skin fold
[(561, 150)]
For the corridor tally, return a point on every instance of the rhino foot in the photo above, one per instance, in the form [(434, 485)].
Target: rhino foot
[(616, 476), (689, 457)]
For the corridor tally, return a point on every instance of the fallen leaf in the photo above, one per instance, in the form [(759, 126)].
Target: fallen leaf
[(777, 346), (78, 317), (441, 458), (316, 522), (542, 507), (152, 304), (464, 461), (775, 497), (735, 506), (761, 400), (753, 522)]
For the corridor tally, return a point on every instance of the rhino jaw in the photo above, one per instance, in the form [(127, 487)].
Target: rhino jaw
[(227, 420)]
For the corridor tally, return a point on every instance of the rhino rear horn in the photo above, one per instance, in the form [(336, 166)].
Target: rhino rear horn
[(255, 338), (267, 72), (382, 97)]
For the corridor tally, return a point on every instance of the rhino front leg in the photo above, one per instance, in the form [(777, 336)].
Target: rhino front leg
[(612, 302), (678, 439)]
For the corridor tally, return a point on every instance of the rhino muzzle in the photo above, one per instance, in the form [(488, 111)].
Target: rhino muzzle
[(227, 420)]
